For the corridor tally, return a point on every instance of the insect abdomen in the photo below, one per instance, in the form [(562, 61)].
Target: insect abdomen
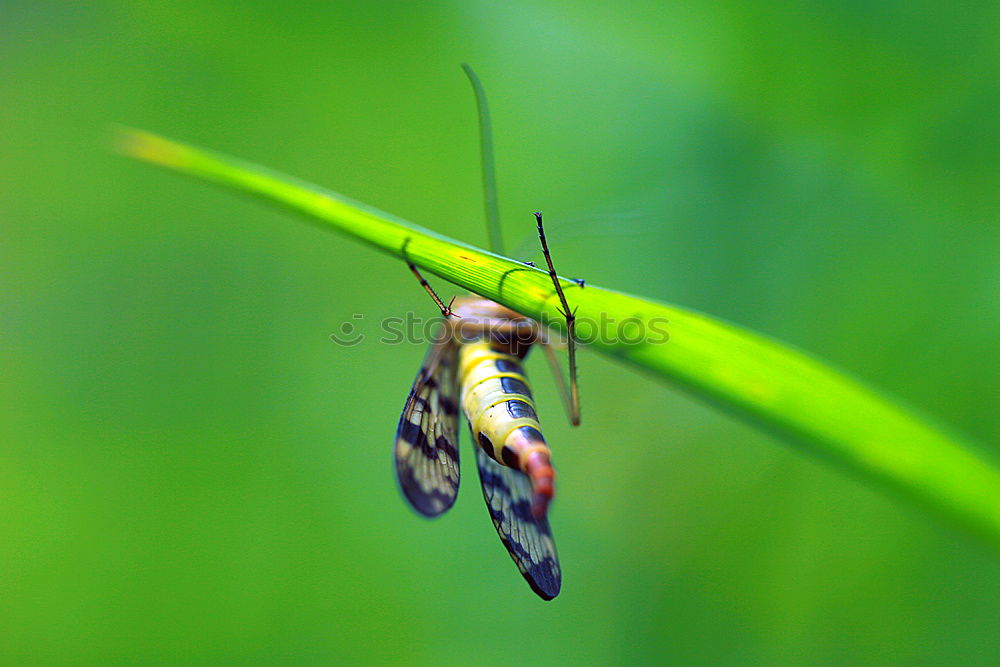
[(501, 412)]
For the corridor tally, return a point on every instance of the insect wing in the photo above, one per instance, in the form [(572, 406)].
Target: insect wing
[(426, 449), (527, 538)]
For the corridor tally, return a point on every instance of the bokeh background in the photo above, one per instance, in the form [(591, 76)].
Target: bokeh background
[(191, 472)]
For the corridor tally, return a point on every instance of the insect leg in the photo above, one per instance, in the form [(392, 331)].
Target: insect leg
[(564, 392), (445, 310), (570, 315)]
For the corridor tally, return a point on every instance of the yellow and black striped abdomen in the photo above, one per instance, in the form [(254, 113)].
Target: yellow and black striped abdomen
[(501, 412)]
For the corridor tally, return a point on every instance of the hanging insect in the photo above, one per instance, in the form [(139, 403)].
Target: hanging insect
[(477, 367)]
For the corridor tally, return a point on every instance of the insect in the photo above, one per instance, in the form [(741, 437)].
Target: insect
[(476, 368)]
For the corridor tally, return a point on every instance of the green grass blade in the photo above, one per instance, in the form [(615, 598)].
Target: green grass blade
[(824, 411), (492, 202)]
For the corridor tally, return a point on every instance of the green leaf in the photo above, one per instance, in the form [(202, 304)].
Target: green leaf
[(822, 410)]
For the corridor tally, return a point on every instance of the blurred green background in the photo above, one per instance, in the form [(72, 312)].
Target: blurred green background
[(192, 472)]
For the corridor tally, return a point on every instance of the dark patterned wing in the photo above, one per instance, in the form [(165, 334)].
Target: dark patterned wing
[(427, 436), (528, 539)]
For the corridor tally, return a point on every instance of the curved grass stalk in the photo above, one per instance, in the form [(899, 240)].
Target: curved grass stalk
[(488, 164), (823, 411)]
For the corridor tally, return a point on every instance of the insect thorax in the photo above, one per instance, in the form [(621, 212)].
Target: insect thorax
[(480, 319)]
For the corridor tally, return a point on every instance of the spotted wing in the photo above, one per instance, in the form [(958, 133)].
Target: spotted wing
[(427, 435), (528, 539)]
